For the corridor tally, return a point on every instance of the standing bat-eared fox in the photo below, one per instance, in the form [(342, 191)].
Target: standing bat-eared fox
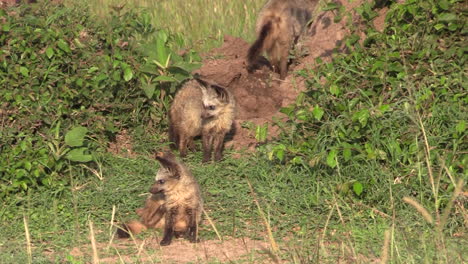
[(279, 26), (175, 204), (201, 108)]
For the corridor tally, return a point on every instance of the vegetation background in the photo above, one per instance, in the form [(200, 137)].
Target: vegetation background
[(370, 166)]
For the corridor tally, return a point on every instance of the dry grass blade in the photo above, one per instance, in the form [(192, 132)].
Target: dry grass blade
[(93, 243), (446, 212), (274, 245), (385, 247), (213, 225), (111, 227), (98, 174), (428, 157), (420, 209), (28, 239)]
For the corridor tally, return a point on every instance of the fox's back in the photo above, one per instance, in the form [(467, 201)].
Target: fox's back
[(186, 109), (292, 15)]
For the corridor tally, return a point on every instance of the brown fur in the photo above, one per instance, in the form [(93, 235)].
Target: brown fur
[(279, 25), (190, 116), (175, 204)]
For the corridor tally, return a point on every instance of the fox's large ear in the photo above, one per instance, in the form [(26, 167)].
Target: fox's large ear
[(222, 93), (204, 83), (169, 161)]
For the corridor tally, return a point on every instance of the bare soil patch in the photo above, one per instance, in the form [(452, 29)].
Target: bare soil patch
[(180, 251)]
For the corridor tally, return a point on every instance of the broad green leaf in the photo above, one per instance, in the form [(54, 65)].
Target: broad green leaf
[(116, 75), (287, 110), (362, 116), (447, 17), (75, 137), (331, 158), (162, 51), (279, 151), (27, 165), (444, 4), (334, 89), (347, 154), (128, 74), (318, 112), (453, 26), (6, 27), (24, 71), (439, 26), (461, 126), (187, 66), (164, 78), (358, 188), (49, 52), (78, 155), (149, 89), (297, 160), (280, 154), (261, 133), (93, 69), (378, 65), (63, 46), (330, 6), (301, 114), (384, 108), (23, 145)]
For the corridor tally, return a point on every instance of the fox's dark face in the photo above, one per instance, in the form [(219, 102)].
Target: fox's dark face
[(164, 181), (168, 174), (215, 99)]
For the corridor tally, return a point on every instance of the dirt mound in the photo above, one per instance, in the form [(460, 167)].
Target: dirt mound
[(261, 94)]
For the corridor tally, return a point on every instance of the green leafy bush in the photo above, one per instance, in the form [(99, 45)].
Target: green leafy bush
[(69, 82), (398, 97)]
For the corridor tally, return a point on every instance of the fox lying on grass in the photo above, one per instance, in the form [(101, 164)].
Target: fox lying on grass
[(279, 25), (175, 204)]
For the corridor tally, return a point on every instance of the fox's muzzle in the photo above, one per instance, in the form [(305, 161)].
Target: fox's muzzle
[(154, 189)]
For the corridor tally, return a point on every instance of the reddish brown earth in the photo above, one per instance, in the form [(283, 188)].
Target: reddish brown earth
[(180, 251), (260, 95)]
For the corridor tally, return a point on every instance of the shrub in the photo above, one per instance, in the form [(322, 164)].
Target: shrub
[(69, 82)]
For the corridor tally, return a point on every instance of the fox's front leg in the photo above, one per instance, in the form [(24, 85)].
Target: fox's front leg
[(192, 230), (169, 228)]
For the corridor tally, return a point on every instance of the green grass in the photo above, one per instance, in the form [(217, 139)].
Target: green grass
[(203, 23), (310, 220)]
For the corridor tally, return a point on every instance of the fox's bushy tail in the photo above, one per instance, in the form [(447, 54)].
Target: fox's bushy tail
[(258, 46)]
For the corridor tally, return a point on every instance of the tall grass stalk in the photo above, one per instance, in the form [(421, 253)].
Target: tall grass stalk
[(212, 225), (385, 247), (93, 243), (111, 228), (273, 244), (28, 239)]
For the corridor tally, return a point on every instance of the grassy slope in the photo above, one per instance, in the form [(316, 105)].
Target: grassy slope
[(302, 207), (203, 23), (311, 220)]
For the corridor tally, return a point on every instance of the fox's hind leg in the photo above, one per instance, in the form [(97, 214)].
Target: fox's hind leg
[(183, 140), (283, 60)]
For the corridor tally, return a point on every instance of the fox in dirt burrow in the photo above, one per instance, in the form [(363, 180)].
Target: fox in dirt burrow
[(279, 26), (175, 205), (201, 108)]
